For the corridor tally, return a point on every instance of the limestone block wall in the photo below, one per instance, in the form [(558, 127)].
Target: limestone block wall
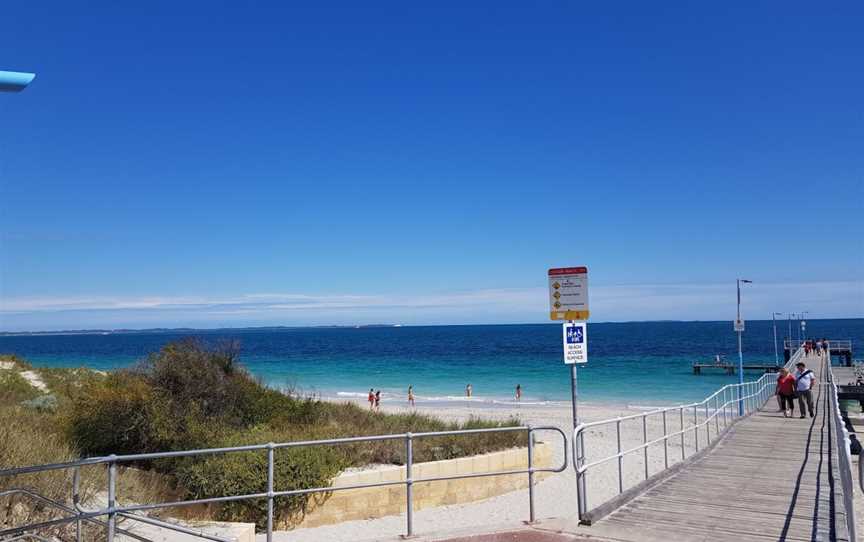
[(377, 502)]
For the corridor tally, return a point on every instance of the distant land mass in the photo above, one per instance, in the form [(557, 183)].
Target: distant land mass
[(183, 330)]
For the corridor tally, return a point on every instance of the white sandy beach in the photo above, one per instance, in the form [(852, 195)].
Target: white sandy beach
[(555, 496)]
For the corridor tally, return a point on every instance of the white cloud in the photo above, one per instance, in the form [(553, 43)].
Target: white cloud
[(608, 303)]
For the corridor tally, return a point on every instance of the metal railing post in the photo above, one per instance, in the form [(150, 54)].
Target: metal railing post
[(696, 426), (112, 497), (707, 426), (579, 461), (717, 414), (645, 442), (76, 488), (620, 457), (270, 488), (531, 474), (725, 408), (665, 443), (683, 452), (409, 483)]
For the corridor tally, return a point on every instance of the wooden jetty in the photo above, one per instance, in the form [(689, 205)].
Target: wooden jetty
[(768, 478), (732, 368), (841, 348)]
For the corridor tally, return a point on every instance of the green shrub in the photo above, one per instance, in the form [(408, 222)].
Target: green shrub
[(246, 472), (15, 389), (112, 417)]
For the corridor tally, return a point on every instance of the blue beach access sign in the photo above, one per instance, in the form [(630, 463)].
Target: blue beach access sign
[(575, 343)]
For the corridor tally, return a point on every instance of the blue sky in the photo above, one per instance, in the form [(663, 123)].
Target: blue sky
[(224, 163)]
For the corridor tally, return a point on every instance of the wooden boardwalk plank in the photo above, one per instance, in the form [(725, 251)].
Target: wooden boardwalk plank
[(771, 478)]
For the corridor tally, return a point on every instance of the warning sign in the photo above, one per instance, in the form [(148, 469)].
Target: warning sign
[(568, 293)]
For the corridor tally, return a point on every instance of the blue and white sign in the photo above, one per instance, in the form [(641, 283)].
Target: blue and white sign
[(575, 343)]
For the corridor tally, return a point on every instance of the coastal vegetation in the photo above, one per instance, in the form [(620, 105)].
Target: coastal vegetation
[(191, 396)]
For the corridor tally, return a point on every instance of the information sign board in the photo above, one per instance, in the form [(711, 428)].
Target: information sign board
[(568, 293), (575, 342)]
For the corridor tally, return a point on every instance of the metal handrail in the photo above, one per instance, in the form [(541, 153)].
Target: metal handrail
[(843, 344), (751, 394), (112, 511), (78, 517), (844, 447)]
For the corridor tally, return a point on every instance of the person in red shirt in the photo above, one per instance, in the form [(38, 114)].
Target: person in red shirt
[(786, 392)]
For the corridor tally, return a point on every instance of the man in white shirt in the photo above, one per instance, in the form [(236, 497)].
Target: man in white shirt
[(804, 379)]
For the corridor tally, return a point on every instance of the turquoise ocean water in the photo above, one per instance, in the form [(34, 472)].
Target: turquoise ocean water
[(639, 363)]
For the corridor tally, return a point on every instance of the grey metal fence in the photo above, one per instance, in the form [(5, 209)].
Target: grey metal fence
[(719, 410), (843, 444), (77, 514)]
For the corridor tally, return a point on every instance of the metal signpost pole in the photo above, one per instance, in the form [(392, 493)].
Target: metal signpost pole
[(739, 327), (568, 301), (574, 394), (774, 321)]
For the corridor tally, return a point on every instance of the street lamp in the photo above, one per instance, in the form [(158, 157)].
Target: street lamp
[(804, 325), (774, 316), (739, 327), (790, 334), (15, 81)]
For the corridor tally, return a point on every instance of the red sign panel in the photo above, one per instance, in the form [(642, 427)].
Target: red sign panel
[(567, 271)]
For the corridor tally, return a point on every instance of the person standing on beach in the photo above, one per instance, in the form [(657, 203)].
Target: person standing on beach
[(804, 378), (786, 392), (468, 390), (371, 399), (378, 401), (518, 392), (411, 395)]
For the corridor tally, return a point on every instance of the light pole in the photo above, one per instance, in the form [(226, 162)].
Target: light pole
[(774, 316), (790, 333), (739, 327), (15, 81), (804, 325)]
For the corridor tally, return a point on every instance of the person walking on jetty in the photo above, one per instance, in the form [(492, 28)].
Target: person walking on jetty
[(804, 378), (786, 392), (411, 395), (371, 399)]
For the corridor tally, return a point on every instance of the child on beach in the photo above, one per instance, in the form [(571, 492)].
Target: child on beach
[(468, 390), (371, 399), (411, 395), (518, 392), (378, 401)]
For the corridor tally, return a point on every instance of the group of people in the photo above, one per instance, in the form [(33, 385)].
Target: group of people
[(374, 397), (817, 346), (795, 385)]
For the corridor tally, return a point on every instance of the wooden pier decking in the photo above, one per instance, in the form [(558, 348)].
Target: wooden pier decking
[(770, 478)]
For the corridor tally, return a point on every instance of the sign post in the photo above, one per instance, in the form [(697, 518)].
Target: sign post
[(568, 301)]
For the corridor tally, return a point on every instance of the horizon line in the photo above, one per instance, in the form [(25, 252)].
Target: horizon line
[(356, 326)]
